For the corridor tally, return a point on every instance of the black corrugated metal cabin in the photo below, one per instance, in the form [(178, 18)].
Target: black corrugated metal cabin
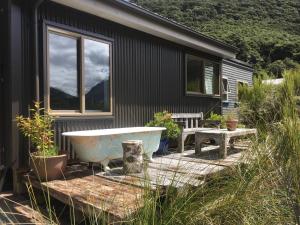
[(99, 64)]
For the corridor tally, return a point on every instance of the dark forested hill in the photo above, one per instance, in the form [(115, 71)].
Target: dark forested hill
[(267, 32)]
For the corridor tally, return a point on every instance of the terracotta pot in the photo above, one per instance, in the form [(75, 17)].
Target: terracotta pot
[(231, 125), (48, 168)]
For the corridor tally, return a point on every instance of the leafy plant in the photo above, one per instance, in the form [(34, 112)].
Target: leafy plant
[(164, 119), (262, 105), (38, 128), (217, 117)]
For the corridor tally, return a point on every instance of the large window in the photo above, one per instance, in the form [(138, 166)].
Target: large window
[(79, 74), (202, 76)]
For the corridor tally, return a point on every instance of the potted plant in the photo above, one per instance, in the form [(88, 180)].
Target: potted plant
[(231, 120), (216, 120), (164, 119), (45, 161)]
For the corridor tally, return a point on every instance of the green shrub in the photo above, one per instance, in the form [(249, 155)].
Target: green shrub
[(263, 104), (164, 119), (287, 155), (216, 117), (38, 128), (259, 105)]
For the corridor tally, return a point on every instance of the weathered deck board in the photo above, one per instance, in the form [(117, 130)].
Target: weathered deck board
[(17, 210), (181, 166), (212, 159), (87, 192), (152, 177)]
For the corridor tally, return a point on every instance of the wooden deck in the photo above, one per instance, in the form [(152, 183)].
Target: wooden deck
[(88, 189), (17, 210)]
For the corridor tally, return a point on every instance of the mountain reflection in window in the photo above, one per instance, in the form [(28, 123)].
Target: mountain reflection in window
[(96, 74), (64, 90)]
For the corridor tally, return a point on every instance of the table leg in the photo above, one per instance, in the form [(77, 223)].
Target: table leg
[(198, 144), (231, 143), (180, 143), (223, 146)]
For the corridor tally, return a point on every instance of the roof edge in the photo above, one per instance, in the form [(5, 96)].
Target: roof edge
[(239, 63), (134, 17)]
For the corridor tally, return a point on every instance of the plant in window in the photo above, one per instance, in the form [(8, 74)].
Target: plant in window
[(164, 119), (45, 161)]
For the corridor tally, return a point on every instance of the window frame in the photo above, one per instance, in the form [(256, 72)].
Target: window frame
[(197, 94), (80, 36), (237, 88), (225, 92)]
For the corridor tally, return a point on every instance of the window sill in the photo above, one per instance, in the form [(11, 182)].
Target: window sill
[(60, 118), (64, 116), (190, 94)]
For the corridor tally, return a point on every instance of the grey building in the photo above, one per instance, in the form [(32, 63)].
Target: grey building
[(234, 74)]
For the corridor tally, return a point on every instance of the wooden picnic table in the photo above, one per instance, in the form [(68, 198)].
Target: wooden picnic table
[(222, 137)]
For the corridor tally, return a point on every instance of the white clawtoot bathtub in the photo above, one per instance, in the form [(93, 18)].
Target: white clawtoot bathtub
[(106, 144)]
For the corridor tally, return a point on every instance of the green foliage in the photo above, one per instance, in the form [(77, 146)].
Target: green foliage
[(259, 105), (287, 141), (38, 128), (164, 119), (267, 33), (217, 117), (287, 155), (263, 104)]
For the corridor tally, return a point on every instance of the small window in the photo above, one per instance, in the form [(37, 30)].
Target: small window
[(202, 77), (240, 84), (225, 89), (79, 74)]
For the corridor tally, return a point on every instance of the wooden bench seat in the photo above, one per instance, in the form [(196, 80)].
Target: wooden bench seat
[(189, 124)]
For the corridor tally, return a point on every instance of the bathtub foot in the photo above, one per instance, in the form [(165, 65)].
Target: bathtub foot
[(149, 157), (105, 166)]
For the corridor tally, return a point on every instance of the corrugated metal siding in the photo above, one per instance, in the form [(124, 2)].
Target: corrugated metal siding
[(148, 75), (234, 73)]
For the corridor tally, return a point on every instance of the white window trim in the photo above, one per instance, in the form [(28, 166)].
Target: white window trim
[(225, 92)]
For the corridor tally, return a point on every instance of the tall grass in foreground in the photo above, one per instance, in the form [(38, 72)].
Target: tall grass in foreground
[(263, 190), (249, 194)]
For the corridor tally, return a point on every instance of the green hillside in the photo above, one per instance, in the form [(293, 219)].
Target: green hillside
[(266, 32)]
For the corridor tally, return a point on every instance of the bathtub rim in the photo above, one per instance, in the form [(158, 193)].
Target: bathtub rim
[(109, 132)]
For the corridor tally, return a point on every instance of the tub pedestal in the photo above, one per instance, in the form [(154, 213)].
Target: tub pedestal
[(104, 164), (132, 156)]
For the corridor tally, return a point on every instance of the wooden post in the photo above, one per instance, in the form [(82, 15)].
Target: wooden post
[(133, 156)]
